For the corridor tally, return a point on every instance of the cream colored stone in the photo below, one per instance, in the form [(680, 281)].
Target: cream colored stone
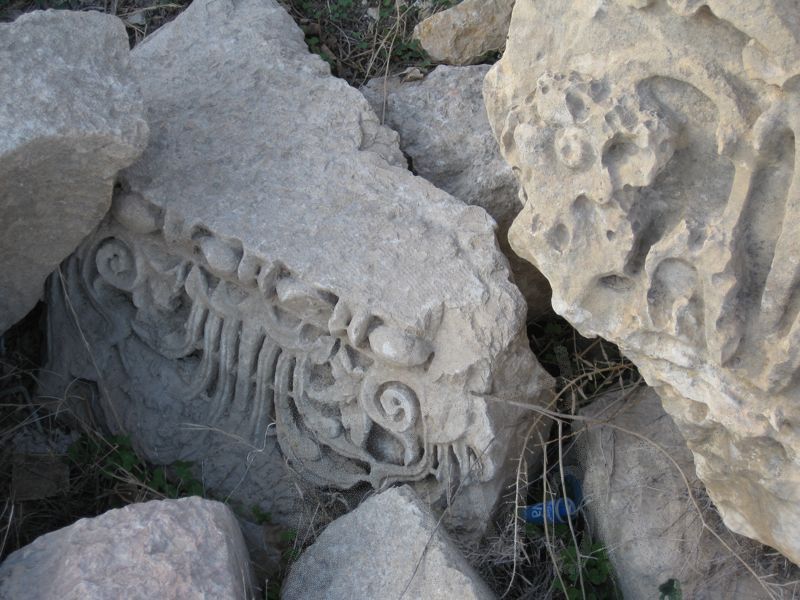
[(655, 142), (463, 33)]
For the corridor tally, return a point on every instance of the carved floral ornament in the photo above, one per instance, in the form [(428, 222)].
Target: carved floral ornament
[(656, 143), (610, 145), (246, 347)]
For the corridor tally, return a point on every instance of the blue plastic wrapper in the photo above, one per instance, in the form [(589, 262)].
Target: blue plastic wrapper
[(558, 510)]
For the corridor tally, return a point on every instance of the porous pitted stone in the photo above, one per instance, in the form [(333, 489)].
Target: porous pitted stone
[(272, 285), (655, 140), (444, 131), (167, 549), (71, 116), (464, 33), (388, 547)]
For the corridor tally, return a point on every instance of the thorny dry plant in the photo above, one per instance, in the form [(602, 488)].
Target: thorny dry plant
[(518, 566)]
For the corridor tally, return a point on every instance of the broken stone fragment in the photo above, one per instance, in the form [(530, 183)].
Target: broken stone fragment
[(464, 33), (638, 505), (171, 549), (444, 131), (388, 547), (71, 117), (272, 287), (656, 145)]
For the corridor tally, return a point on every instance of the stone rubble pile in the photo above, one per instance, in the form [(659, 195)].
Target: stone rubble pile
[(254, 281), (389, 547), (637, 504), (465, 33)]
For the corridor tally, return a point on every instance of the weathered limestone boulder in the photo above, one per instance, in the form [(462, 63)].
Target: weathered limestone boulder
[(655, 141), (270, 288), (71, 116), (389, 547), (464, 33), (444, 131), (170, 549), (638, 505)]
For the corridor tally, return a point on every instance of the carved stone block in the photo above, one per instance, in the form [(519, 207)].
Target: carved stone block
[(268, 287), (443, 129), (656, 144), (71, 117)]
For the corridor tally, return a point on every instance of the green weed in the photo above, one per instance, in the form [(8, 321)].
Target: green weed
[(670, 590), (588, 563), (361, 41), (117, 464)]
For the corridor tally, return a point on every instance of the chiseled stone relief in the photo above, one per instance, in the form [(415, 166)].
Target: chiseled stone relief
[(247, 304), (656, 144)]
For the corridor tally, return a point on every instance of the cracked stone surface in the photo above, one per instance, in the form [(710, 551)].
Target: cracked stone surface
[(272, 287), (655, 141), (444, 130), (388, 547), (71, 117), (171, 549), (638, 505)]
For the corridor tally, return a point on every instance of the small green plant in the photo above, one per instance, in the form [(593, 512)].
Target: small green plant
[(317, 47), (362, 40), (340, 9), (119, 467), (589, 563), (260, 516), (594, 567), (670, 590)]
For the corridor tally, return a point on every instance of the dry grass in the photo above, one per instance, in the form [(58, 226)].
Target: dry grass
[(519, 565), (100, 472), (141, 17), (364, 40)]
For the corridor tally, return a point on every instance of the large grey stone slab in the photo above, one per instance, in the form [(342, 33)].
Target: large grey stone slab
[(639, 509), (71, 116), (169, 549), (388, 547), (444, 130), (656, 143), (273, 287)]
